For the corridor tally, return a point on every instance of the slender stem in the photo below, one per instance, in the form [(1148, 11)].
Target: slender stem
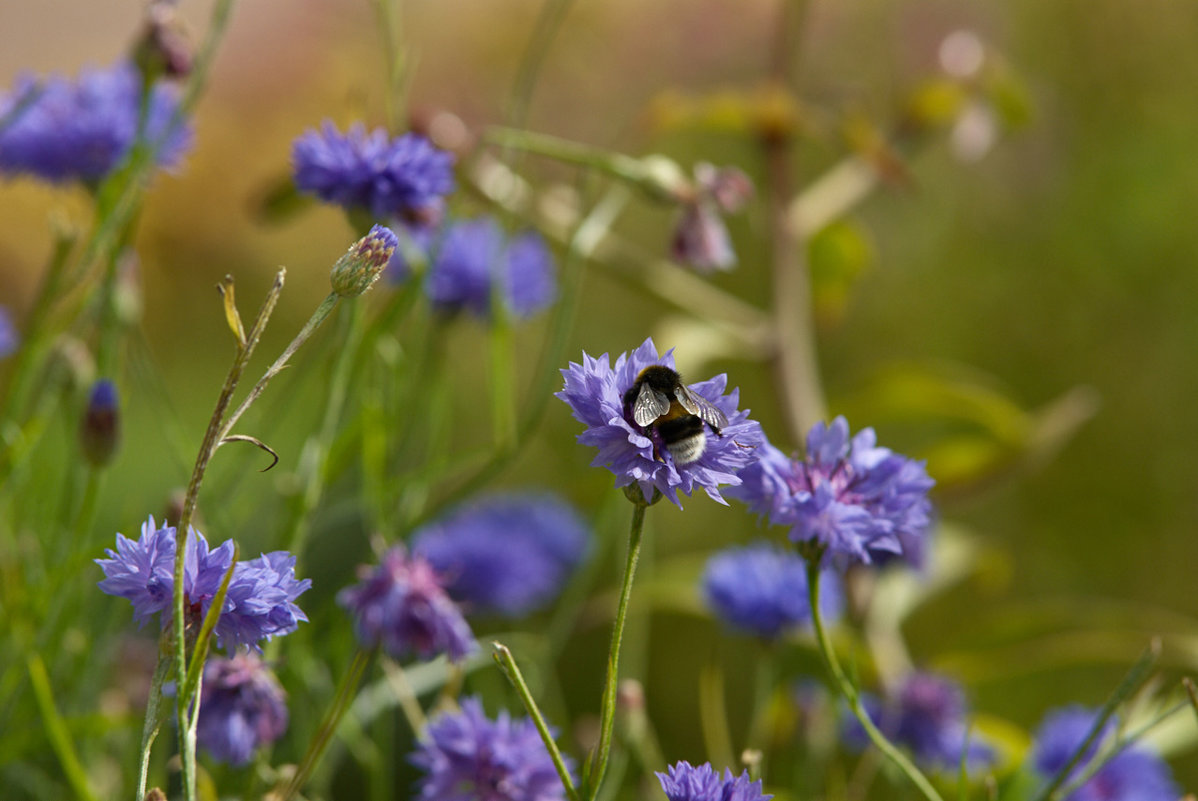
[(328, 726), (713, 715), (571, 152), (503, 657), (208, 447), (153, 721), (553, 12), (593, 778), (319, 316), (850, 693), (314, 461), (60, 738), (397, 678), (1132, 682)]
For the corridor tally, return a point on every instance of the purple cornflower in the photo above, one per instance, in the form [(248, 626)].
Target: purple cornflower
[(402, 606), (404, 178), (259, 603), (83, 129), (471, 255), (1135, 774), (242, 708), (506, 554), (927, 715), (686, 782), (595, 389), (762, 589), (854, 501), (469, 757), (8, 334)]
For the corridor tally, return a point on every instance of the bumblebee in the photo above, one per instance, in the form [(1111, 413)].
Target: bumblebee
[(671, 414)]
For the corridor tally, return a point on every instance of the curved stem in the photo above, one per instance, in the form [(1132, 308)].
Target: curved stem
[(846, 689), (593, 777)]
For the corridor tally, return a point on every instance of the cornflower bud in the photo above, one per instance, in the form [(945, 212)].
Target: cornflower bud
[(363, 263), (100, 430)]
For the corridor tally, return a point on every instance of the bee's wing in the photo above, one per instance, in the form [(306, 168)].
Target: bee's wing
[(699, 406), (649, 405)]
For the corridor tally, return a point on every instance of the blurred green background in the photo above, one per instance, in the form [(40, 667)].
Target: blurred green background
[(1063, 258)]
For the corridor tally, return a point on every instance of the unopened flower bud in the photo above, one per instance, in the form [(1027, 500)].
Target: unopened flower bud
[(100, 431), (163, 48), (663, 176), (630, 695), (363, 263)]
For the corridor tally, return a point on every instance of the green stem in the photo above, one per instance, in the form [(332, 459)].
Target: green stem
[(153, 722), (593, 778), (846, 689), (503, 657), (570, 152), (212, 439), (549, 21), (60, 738), (328, 726), (1131, 683), (314, 461)]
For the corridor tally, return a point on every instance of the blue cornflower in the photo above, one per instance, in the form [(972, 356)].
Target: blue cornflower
[(8, 334), (469, 757), (242, 708), (1135, 774), (686, 782), (927, 715), (404, 178), (595, 389), (259, 603), (858, 502), (402, 606), (84, 129), (762, 589), (506, 554), (142, 570), (471, 255)]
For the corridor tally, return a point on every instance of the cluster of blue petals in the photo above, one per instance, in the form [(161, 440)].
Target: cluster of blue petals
[(260, 602), (1135, 774), (859, 502), (594, 391), (63, 130), (473, 263), (507, 554), (686, 782), (242, 708), (927, 715), (467, 756), (404, 178), (761, 589), (401, 605)]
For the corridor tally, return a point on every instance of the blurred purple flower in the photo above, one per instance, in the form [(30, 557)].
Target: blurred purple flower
[(404, 178), (506, 554), (595, 389), (856, 501), (259, 603), (8, 334), (242, 708), (83, 129), (927, 715), (686, 782), (762, 589), (469, 757), (402, 606), (470, 255), (700, 237), (1135, 774)]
